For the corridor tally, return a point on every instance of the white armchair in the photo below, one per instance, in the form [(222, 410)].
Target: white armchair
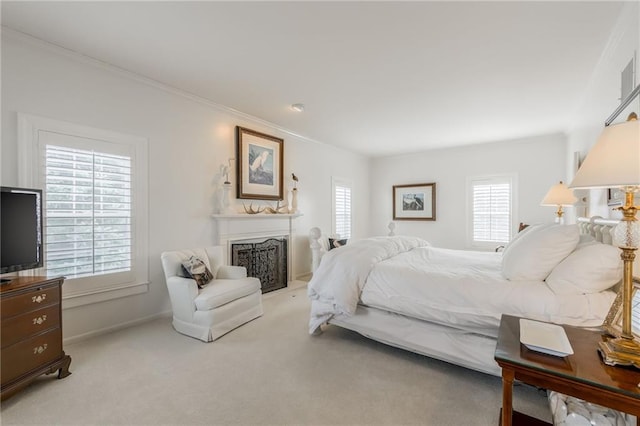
[(228, 301)]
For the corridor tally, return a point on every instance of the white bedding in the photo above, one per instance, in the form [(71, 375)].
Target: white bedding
[(451, 287), (466, 289), (337, 284)]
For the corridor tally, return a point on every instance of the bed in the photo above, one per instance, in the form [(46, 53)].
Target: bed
[(447, 304)]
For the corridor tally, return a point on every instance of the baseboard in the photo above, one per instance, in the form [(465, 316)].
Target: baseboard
[(304, 277), (110, 329), (293, 285)]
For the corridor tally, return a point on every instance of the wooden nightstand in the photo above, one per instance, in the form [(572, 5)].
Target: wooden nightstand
[(582, 375)]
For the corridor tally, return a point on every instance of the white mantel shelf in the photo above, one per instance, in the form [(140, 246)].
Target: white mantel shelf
[(236, 227), (256, 216)]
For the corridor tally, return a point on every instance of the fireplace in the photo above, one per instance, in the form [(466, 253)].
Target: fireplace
[(241, 229), (265, 260)]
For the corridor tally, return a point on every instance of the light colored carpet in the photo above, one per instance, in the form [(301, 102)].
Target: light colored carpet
[(267, 372)]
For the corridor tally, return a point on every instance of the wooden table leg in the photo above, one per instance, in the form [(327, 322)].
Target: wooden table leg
[(507, 395)]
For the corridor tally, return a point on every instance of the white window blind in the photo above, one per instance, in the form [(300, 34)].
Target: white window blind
[(342, 208), (87, 211), (491, 210)]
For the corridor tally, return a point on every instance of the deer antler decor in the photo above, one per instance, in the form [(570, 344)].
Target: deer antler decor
[(251, 210)]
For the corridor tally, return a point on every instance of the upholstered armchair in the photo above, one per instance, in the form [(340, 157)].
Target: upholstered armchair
[(226, 302)]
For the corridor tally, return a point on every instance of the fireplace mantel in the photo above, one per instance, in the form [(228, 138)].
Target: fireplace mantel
[(241, 216), (231, 228)]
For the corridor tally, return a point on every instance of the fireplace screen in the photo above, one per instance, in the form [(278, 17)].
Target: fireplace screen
[(265, 260)]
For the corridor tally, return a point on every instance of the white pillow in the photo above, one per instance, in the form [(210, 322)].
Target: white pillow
[(590, 269), (533, 256), (585, 240), (519, 235)]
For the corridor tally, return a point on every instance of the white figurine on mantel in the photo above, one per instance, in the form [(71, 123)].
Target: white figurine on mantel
[(294, 195), (225, 202), (226, 198)]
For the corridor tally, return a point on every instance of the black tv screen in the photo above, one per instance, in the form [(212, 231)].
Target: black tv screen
[(20, 229)]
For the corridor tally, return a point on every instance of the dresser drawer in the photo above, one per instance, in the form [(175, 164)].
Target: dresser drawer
[(24, 326), (29, 301), (28, 354)]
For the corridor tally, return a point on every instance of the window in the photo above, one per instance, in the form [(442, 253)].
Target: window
[(341, 207), (95, 186), (88, 212), (491, 210)]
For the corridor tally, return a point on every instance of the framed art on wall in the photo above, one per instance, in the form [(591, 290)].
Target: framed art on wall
[(259, 165), (414, 202)]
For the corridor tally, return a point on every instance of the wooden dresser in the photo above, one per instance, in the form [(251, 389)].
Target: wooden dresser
[(31, 327)]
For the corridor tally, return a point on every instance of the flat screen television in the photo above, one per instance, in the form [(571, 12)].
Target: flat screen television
[(20, 229)]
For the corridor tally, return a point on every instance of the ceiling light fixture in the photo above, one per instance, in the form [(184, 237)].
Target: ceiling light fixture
[(297, 107)]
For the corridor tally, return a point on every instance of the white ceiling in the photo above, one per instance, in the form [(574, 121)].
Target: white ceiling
[(377, 78)]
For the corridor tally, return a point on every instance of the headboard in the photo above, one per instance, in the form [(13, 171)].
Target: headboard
[(599, 228)]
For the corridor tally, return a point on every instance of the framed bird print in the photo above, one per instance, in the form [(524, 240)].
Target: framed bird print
[(414, 202), (259, 165)]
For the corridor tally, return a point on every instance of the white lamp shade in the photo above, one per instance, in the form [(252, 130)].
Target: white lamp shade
[(559, 195), (614, 161)]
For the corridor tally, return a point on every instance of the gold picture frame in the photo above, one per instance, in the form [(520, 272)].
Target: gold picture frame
[(613, 322), (260, 164)]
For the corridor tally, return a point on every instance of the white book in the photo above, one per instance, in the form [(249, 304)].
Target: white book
[(544, 337)]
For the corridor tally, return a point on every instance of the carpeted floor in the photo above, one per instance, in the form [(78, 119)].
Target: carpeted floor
[(267, 372)]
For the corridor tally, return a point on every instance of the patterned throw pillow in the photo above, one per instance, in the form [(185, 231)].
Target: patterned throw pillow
[(336, 243), (196, 269)]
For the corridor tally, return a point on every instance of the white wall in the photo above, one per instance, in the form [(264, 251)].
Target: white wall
[(538, 163), (188, 141), (602, 96)]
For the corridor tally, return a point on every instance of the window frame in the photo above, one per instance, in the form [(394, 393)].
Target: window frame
[(509, 178), (31, 168), (346, 183)]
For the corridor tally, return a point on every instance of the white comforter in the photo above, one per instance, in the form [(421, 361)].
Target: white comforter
[(463, 289), (337, 284)]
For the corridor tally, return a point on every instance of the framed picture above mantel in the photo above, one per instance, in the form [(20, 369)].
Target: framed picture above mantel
[(414, 201), (259, 159)]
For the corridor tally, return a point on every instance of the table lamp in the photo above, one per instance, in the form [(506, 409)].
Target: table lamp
[(559, 195), (614, 162)]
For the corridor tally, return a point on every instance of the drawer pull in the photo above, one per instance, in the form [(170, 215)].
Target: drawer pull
[(38, 350), (39, 298), (39, 320)]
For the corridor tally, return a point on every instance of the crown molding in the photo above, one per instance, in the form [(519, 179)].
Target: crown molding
[(18, 36), (628, 18)]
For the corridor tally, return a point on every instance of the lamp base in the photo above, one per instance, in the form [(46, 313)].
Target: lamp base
[(620, 351)]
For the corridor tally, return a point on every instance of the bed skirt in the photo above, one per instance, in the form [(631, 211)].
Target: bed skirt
[(448, 344)]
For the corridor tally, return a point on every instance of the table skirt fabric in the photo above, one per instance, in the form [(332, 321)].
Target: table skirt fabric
[(570, 411)]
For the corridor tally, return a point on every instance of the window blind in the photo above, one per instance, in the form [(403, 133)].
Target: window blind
[(491, 202), (342, 199), (87, 212)]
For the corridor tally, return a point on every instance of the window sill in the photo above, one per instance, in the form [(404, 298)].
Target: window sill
[(95, 296)]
